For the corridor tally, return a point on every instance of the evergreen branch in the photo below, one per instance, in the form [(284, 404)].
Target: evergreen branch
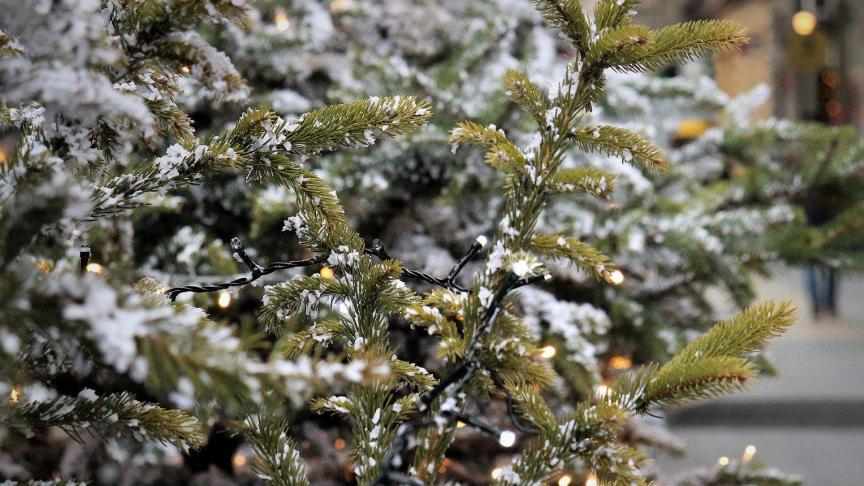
[(578, 252), (613, 13), (568, 17), (679, 43), (108, 415), (701, 379), (527, 94), (623, 143), (586, 180), (279, 462)]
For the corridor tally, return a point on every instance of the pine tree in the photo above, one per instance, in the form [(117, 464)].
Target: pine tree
[(80, 167)]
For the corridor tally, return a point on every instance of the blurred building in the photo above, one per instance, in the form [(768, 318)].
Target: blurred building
[(809, 51)]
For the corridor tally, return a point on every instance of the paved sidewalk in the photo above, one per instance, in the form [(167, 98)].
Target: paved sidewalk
[(810, 419)]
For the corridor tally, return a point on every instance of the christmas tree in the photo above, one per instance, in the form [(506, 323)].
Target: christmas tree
[(80, 173)]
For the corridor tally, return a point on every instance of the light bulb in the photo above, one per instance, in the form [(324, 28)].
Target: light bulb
[(592, 480), (507, 438), (15, 395), (749, 452), (804, 22), (281, 20), (620, 362), (482, 240), (602, 391), (326, 273), (548, 352), (565, 480), (224, 299), (460, 424), (723, 461), (496, 472), (95, 268), (615, 277)]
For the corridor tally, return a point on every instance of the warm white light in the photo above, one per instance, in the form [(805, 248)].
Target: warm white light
[(482, 240), (326, 273), (281, 19), (224, 299), (615, 277), (591, 481), (548, 352), (95, 268), (239, 460), (620, 362), (15, 395), (460, 424), (507, 438), (565, 480), (749, 452), (723, 461), (804, 22), (496, 472), (602, 391)]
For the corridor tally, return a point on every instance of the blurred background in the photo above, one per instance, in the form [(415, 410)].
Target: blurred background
[(810, 418)]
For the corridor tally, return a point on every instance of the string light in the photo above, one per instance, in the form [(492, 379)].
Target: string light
[(339, 444), (281, 20), (496, 473), (749, 452), (15, 395), (592, 480), (602, 391), (44, 266), (327, 273), (615, 277), (507, 438), (224, 299), (804, 22), (460, 424), (548, 352), (620, 363), (723, 461), (184, 69), (95, 268), (239, 460), (565, 480)]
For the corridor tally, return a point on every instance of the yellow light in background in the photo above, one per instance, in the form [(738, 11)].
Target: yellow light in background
[(281, 20), (327, 273), (692, 128), (44, 266), (4, 155), (620, 363), (548, 352), (239, 460), (337, 6), (95, 268), (15, 395), (224, 299), (460, 424), (339, 444), (496, 472), (723, 461), (565, 480), (830, 78), (749, 452), (804, 22), (592, 480), (184, 69)]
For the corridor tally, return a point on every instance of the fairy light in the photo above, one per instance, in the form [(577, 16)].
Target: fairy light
[(723, 461), (565, 480), (44, 266), (460, 424), (507, 438), (224, 299), (15, 395), (602, 391), (281, 20), (804, 22), (620, 363), (339, 444), (95, 268), (327, 273), (615, 277), (592, 480), (496, 473), (337, 6), (749, 452), (548, 352), (239, 460), (184, 69)]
